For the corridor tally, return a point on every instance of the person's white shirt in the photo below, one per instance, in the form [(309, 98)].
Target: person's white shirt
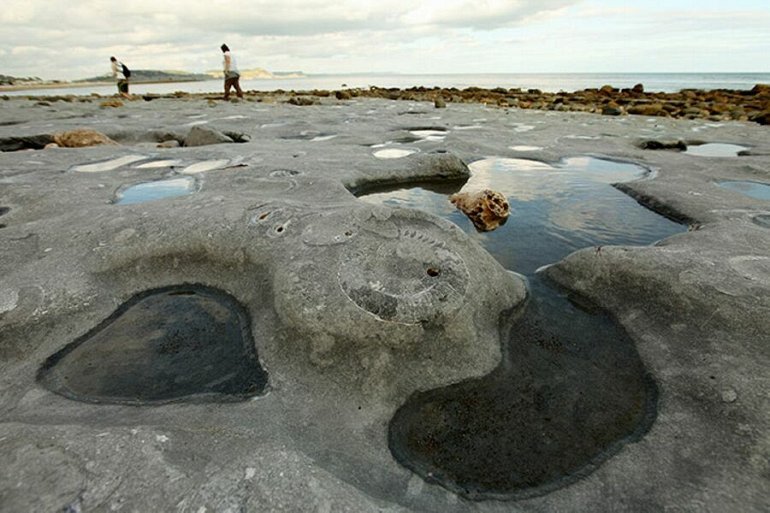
[(233, 66), (117, 67)]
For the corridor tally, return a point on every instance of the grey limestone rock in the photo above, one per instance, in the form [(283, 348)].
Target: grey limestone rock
[(354, 307), (203, 136)]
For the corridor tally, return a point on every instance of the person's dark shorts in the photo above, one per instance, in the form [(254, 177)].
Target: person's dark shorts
[(123, 86)]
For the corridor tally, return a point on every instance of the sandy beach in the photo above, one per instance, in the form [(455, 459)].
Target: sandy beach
[(340, 311)]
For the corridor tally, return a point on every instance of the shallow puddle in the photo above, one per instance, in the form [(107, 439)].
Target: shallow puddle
[(582, 137), (393, 153), (184, 342), (571, 388), (521, 127), (108, 165), (310, 135), (756, 190), (206, 165), (429, 134), (158, 164), (327, 137), (524, 147), (152, 191), (715, 150)]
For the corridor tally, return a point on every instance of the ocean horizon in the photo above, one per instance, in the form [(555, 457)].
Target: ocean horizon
[(547, 82)]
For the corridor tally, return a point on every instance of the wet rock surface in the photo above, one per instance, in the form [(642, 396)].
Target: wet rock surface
[(281, 232)]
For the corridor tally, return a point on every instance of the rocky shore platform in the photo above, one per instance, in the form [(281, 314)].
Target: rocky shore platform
[(244, 344), (715, 105)]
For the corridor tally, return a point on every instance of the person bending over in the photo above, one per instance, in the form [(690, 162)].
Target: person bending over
[(125, 73)]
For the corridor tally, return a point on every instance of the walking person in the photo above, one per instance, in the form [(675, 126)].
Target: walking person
[(119, 67), (232, 76)]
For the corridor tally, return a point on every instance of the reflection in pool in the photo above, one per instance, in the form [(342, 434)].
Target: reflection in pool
[(179, 343), (571, 388), (151, 191), (108, 165), (757, 190), (715, 150), (569, 392), (158, 164), (555, 210), (394, 153), (429, 134)]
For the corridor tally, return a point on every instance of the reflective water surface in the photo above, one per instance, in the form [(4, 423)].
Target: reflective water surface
[(394, 153), (179, 343), (715, 150), (151, 191), (571, 388), (555, 209), (756, 190)]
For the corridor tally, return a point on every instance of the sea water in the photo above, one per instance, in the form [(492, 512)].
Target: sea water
[(548, 82)]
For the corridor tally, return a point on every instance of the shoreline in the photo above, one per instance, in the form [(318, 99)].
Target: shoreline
[(66, 85), (39, 87), (713, 104)]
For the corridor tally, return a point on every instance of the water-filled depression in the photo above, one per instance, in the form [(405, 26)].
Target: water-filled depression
[(756, 190), (186, 342), (715, 150), (159, 189), (571, 388)]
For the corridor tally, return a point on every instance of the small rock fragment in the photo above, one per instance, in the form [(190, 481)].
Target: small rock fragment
[(302, 101), (729, 395), (111, 103), (487, 209)]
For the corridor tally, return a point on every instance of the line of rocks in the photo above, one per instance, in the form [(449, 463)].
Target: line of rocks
[(715, 105)]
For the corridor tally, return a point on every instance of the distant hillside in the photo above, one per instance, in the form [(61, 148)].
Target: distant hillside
[(9, 80), (256, 73), (151, 75)]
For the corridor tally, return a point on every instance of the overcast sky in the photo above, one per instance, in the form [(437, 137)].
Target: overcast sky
[(56, 39)]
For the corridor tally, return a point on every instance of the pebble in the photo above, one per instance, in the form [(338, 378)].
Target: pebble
[(729, 395)]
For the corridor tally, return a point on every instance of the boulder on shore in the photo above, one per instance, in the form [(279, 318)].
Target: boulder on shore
[(202, 136), (81, 138)]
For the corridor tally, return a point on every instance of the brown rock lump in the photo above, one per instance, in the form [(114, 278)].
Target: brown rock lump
[(487, 209)]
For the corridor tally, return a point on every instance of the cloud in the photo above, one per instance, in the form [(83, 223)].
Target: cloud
[(149, 33), (56, 39)]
